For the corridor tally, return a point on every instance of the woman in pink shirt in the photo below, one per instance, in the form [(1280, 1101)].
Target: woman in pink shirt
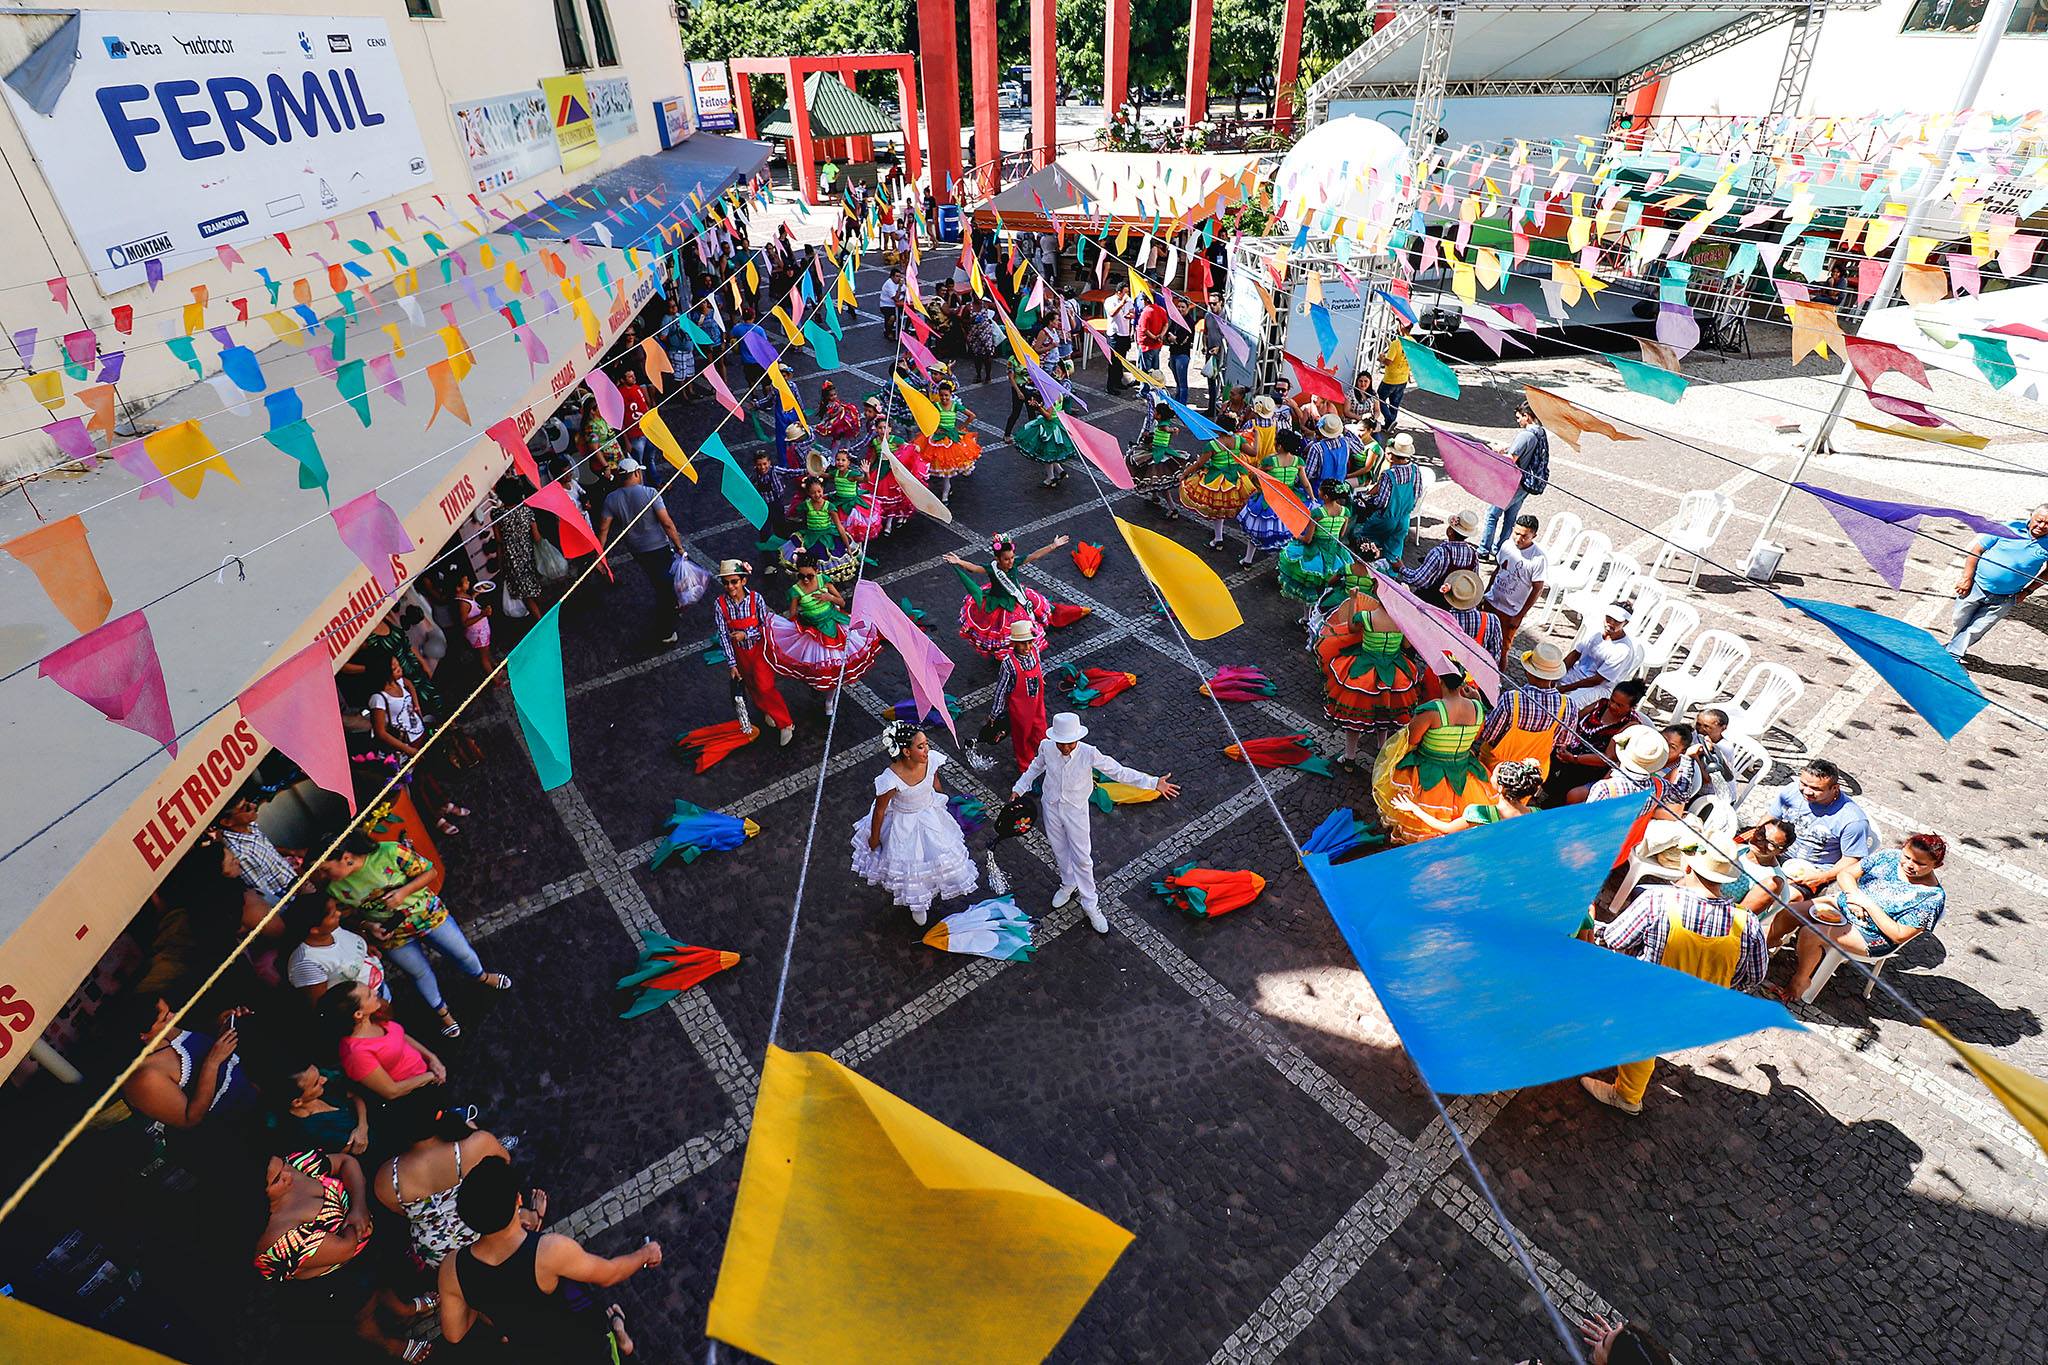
[(375, 1051)]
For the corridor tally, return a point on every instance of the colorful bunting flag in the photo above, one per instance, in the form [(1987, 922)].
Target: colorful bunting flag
[(296, 708), (1911, 661), (1197, 598), (114, 669), (539, 699), (61, 558)]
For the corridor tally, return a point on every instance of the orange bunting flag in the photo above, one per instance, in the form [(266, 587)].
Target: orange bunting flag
[(184, 454), (62, 561), (1197, 598), (1286, 506), (1568, 419), (447, 392), (1814, 329), (655, 362)]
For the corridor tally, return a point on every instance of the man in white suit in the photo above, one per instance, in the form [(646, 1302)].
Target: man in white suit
[(1069, 769)]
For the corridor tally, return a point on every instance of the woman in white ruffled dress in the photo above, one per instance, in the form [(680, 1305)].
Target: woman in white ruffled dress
[(909, 844)]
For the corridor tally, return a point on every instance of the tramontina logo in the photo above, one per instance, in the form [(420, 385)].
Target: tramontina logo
[(139, 250), (118, 48)]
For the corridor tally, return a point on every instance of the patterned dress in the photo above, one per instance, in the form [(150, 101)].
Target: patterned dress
[(987, 611), (1258, 519), (950, 450), (1372, 682), (1306, 569), (1441, 775), (816, 640), (1219, 487), (281, 1259), (818, 534), (1043, 439)]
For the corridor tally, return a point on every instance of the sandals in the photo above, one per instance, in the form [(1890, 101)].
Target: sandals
[(617, 1317), (449, 1028), (446, 826), (416, 1350), (425, 1303), (503, 983), (454, 811)]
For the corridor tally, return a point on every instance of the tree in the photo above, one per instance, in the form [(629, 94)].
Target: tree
[(1244, 40)]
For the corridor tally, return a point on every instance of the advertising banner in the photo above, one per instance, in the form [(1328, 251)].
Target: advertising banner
[(611, 108), (569, 112), (711, 88), (507, 138), (178, 133), (672, 120)]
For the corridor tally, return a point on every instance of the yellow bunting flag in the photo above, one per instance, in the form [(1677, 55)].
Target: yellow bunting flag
[(28, 1333), (48, 388), (789, 327), (777, 377), (459, 358), (1018, 346), (62, 561), (1567, 283), (1814, 329), (2025, 1097), (1940, 436), (184, 454), (447, 392), (846, 287), (397, 341), (921, 409), (656, 430), (1197, 597), (857, 1210), (195, 317), (485, 257), (287, 328), (753, 278)]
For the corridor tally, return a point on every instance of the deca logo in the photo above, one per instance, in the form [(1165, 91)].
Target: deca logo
[(118, 48)]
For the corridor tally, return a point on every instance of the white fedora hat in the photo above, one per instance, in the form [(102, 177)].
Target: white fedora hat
[(1066, 728)]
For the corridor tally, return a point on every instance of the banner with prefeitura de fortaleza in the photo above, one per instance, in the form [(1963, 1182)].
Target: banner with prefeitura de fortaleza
[(177, 133)]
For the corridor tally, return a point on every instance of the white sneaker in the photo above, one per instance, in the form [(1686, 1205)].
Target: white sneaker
[(917, 918), (1096, 920), (786, 734), (1609, 1096), (1062, 896)]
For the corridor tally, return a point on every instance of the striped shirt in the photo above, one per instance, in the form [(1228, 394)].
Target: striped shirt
[(1481, 625), (265, 870), (1440, 563), (1644, 929), (1538, 708)]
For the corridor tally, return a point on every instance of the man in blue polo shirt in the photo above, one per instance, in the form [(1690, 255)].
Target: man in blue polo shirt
[(2000, 573)]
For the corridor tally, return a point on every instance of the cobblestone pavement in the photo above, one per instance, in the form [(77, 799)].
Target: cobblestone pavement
[(1230, 1091)]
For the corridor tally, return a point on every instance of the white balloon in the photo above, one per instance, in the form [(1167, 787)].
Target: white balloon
[(1348, 168)]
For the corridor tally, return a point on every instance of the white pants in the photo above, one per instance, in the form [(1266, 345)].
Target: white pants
[(1066, 828)]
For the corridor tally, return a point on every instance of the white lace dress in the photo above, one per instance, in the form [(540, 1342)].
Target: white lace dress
[(923, 856)]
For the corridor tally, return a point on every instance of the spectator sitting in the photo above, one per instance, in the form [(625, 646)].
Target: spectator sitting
[(1883, 902), (1760, 882), (1455, 552), (1640, 756), (328, 955), (528, 1283), (1834, 833), (424, 1181), (1711, 749), (1593, 669), (1682, 777), (1585, 743), (315, 1231), (309, 1116)]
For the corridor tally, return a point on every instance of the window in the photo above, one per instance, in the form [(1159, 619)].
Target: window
[(1963, 16), (601, 33), (574, 58), (423, 9)]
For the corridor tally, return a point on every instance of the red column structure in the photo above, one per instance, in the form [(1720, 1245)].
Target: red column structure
[(743, 94), (805, 149), (1116, 56), (906, 100), (1290, 61), (1642, 104), (939, 54), (988, 115), (1045, 81), (1198, 61)]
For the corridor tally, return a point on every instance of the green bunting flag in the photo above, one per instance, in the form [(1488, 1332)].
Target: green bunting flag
[(348, 379), (823, 347), (295, 439), (697, 335), (1428, 370), (1641, 378), (1994, 359), (538, 698), (733, 482)]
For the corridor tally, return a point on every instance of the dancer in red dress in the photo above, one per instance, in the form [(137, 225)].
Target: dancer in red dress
[(1020, 693), (742, 617)]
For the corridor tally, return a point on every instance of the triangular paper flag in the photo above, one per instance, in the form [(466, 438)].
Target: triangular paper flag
[(1429, 371), (62, 560), (577, 537), (1197, 597), (854, 1208), (1103, 450), (184, 454), (539, 698), (1640, 378), (369, 527), (733, 484), (1480, 470), (656, 430), (921, 409), (926, 663), (2025, 1097), (447, 393), (1910, 660), (1568, 420), (505, 432), (115, 671), (296, 708)]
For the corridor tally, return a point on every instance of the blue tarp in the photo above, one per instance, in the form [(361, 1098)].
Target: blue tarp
[(704, 164)]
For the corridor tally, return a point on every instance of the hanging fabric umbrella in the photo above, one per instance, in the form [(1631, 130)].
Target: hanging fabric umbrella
[(1087, 558), (1279, 751), (710, 743), (668, 967), (991, 928), (1238, 682), (1066, 613), (694, 831), (1206, 893)]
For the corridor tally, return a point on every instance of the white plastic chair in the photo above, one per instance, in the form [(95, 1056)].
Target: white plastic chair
[(1642, 860), (1558, 531), (1663, 630), (1644, 595), (1702, 514), (1832, 959), (1590, 603), (1703, 676), (1574, 568), (1426, 480), (1716, 815), (1766, 693), (1750, 761)]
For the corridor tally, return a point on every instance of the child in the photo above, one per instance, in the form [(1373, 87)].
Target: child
[(476, 625)]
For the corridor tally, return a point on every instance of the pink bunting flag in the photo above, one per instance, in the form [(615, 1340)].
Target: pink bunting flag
[(725, 397), (60, 291), (384, 370), (611, 404), (1480, 470), (1869, 275), (82, 347), (506, 433), (1871, 359), (1963, 273), (1517, 313), (577, 537), (920, 354), (536, 350), (926, 663), (1432, 633), (115, 671), (1103, 450), (2016, 255), (1919, 414), (369, 527), (74, 441), (135, 460), (296, 708)]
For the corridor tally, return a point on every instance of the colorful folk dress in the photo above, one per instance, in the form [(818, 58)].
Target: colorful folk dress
[(1441, 775), (816, 641), (1306, 569)]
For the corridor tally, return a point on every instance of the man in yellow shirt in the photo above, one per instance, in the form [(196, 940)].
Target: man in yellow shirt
[(1393, 381)]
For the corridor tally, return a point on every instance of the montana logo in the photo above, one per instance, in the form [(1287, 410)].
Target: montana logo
[(571, 111)]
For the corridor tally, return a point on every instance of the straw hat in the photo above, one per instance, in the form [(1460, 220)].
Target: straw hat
[(1022, 632), (1466, 523), (734, 568), (1404, 445), (814, 464), (1710, 865), (1546, 661), (1679, 854), (1066, 728), (1642, 751), (1330, 425), (1264, 405), (1462, 589)]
